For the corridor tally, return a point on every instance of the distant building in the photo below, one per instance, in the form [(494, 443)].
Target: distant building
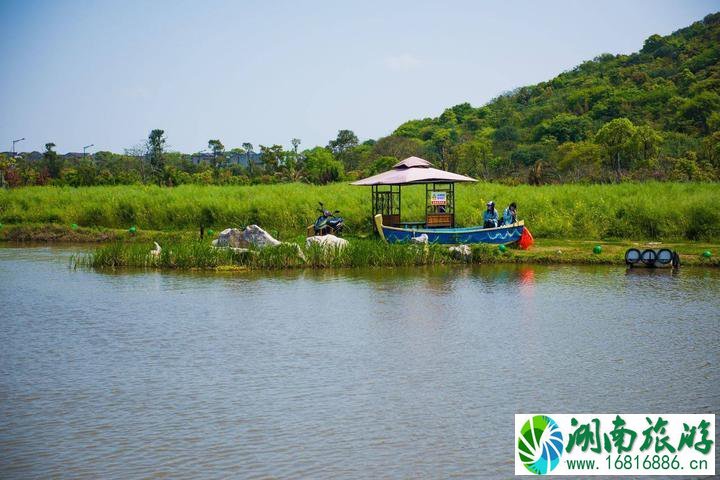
[(231, 158), (31, 156)]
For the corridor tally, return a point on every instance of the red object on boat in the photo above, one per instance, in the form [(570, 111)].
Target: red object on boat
[(526, 239)]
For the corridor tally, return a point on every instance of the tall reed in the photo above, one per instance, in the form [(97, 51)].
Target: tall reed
[(639, 211)]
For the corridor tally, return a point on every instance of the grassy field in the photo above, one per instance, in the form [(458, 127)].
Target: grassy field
[(645, 211)]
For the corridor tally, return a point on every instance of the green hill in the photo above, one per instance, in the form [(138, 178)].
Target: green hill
[(651, 114)]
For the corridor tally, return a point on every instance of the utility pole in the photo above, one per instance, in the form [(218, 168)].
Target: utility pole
[(13, 146), (86, 147)]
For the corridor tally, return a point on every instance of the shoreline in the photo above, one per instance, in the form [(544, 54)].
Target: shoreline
[(370, 252)]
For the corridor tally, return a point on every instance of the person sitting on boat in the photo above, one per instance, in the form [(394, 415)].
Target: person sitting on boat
[(490, 217), (509, 215)]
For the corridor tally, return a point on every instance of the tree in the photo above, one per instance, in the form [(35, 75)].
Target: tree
[(7, 163), (156, 154), (711, 150), (698, 109), (248, 155), (381, 164), (291, 168), (53, 163), (647, 144), (272, 157), (345, 140), (579, 160), (442, 141), (398, 147), (474, 158), (218, 151), (321, 166), (565, 128), (616, 138)]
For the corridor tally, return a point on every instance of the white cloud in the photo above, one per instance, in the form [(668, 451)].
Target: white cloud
[(402, 62)]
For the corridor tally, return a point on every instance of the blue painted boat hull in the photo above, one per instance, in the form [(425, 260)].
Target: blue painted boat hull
[(453, 236)]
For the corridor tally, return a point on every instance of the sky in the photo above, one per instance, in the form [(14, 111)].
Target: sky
[(107, 72)]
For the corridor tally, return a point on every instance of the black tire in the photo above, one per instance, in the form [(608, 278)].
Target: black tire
[(648, 256), (632, 256), (664, 256)]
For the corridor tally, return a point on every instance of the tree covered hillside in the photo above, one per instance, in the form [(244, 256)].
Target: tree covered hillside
[(652, 114)]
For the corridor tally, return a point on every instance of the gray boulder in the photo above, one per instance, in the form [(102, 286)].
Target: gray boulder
[(230, 237), (461, 252), (252, 236)]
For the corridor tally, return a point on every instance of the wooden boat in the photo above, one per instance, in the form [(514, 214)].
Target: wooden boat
[(468, 235)]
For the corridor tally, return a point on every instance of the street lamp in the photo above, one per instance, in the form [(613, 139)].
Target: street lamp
[(14, 142), (86, 147)]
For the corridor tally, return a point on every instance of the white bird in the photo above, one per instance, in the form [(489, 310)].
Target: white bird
[(156, 251)]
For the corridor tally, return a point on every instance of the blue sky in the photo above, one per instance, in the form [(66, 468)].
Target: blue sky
[(81, 72)]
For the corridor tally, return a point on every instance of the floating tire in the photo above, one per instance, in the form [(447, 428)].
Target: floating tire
[(664, 256), (632, 256), (648, 256)]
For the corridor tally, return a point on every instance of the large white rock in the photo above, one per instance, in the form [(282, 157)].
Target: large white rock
[(462, 252), (257, 237), (327, 241), (252, 236)]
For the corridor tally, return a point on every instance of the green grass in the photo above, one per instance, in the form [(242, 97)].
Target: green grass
[(641, 211), (200, 255), (195, 254)]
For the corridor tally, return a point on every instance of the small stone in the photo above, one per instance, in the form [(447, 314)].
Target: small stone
[(461, 252)]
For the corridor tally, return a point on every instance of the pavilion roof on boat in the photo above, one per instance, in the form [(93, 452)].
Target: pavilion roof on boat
[(413, 170), (439, 192)]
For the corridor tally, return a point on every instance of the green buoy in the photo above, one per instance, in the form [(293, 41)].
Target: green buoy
[(74, 226), (211, 232), (132, 229), (502, 248), (707, 254), (597, 249)]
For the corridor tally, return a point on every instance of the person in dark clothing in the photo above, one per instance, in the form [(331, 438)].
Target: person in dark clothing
[(490, 217)]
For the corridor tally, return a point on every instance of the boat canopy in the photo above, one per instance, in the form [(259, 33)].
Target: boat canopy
[(413, 170), (439, 192)]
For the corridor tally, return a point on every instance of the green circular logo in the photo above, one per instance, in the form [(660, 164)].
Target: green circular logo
[(540, 444)]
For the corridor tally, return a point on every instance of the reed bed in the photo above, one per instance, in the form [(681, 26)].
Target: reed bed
[(640, 211), (201, 255)]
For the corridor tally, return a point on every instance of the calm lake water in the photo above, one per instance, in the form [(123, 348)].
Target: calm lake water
[(351, 374)]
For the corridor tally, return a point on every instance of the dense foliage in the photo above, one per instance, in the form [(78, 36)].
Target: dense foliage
[(654, 114)]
